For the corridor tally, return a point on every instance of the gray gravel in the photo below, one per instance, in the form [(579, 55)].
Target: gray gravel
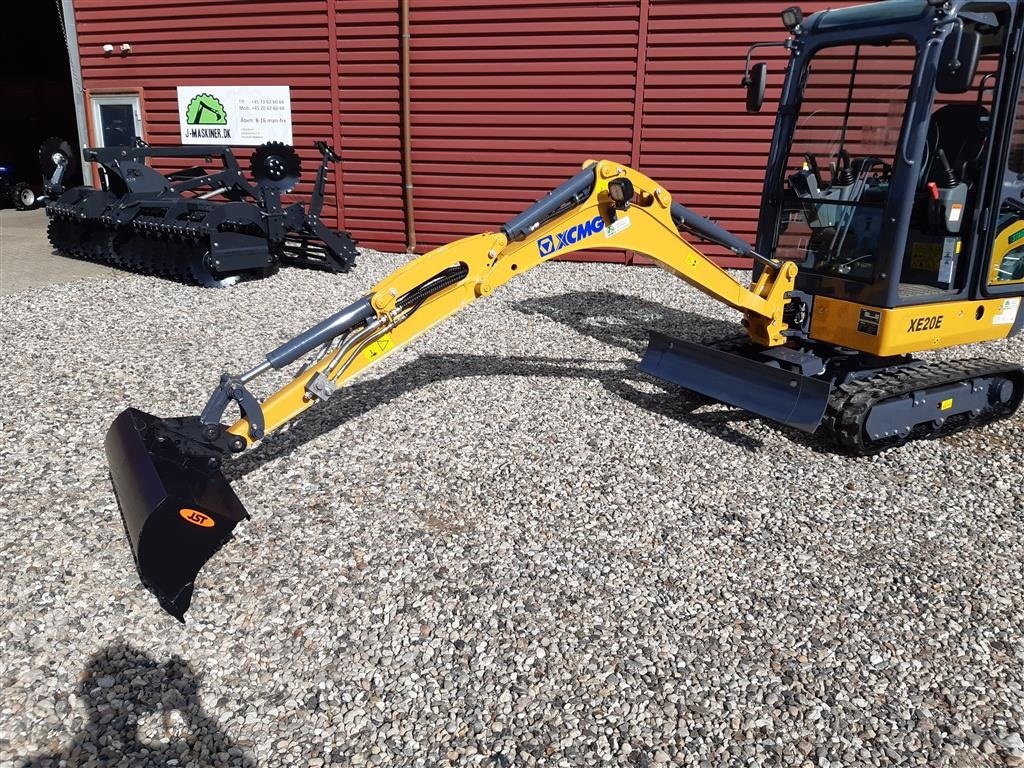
[(503, 546)]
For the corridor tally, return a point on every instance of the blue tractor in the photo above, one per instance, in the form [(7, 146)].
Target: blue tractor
[(17, 193)]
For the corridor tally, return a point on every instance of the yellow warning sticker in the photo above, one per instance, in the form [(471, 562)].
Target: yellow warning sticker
[(378, 347), (945, 405)]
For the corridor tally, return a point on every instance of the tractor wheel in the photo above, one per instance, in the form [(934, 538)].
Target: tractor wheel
[(23, 197)]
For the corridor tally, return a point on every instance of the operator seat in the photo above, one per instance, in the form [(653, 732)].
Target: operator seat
[(961, 131)]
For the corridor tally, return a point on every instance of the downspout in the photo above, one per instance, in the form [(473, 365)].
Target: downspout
[(71, 42), (406, 130)]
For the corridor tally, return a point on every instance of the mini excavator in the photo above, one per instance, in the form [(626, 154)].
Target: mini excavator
[(891, 224)]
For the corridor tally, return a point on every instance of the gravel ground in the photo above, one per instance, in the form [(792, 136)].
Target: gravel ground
[(503, 546)]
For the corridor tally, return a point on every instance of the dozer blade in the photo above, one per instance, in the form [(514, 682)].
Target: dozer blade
[(788, 398), (177, 510)]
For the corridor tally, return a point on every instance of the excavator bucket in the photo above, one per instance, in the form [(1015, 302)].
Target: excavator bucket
[(788, 398), (177, 511)]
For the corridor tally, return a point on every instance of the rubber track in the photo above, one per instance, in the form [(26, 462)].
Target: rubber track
[(851, 403)]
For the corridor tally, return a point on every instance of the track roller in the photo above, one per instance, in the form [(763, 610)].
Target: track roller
[(921, 400)]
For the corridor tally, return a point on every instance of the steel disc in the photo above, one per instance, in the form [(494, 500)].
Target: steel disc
[(95, 244), (116, 245), (204, 275), (126, 248), (50, 153), (64, 235), (153, 256), (177, 259), (276, 166)]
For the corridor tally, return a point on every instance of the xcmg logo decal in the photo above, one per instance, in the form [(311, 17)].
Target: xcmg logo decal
[(550, 244)]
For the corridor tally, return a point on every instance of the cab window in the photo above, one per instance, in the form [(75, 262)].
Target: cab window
[(842, 155), (956, 151), (1017, 137), (1007, 265)]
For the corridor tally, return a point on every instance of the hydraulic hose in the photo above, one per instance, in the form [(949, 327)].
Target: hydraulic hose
[(404, 307), (444, 279)]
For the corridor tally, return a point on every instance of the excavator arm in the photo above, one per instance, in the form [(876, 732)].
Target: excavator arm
[(606, 205), (178, 508)]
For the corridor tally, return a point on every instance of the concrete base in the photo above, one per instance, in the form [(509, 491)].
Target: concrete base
[(28, 261)]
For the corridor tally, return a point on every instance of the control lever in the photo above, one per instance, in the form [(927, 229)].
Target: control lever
[(812, 166)]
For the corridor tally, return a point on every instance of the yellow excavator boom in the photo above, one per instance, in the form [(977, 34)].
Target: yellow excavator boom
[(479, 264)]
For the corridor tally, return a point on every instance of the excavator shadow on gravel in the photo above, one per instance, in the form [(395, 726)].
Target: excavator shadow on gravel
[(891, 224)]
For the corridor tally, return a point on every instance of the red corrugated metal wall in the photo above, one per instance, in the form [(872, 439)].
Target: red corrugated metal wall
[(508, 98), (697, 137), (366, 45)]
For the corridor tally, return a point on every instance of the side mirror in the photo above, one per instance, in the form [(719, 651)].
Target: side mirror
[(755, 80), (958, 62)]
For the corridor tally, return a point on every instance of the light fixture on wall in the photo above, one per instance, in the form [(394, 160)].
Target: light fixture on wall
[(126, 48), (108, 49)]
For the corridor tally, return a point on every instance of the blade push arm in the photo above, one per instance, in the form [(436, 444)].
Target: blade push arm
[(606, 205)]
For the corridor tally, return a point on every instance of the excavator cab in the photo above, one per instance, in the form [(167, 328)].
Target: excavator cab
[(895, 184), (895, 179)]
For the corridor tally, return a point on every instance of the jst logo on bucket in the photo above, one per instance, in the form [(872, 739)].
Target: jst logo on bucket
[(196, 517), (550, 244)]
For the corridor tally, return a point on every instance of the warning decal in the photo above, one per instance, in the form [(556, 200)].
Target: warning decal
[(613, 229), (378, 347), (1008, 313)]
